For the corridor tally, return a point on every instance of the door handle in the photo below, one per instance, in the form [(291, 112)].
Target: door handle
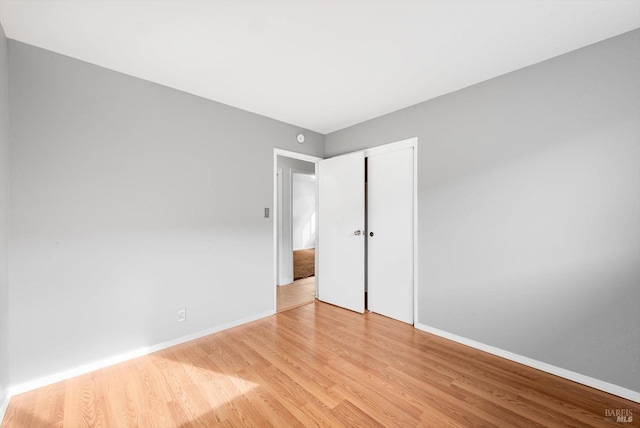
[(371, 234), (357, 233)]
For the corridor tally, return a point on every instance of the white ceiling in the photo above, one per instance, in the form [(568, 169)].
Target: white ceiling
[(320, 65)]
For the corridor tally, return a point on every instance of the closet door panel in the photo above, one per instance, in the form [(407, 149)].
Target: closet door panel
[(341, 232), (390, 234)]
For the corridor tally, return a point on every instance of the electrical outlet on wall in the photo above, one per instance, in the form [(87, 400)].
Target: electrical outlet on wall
[(182, 315)]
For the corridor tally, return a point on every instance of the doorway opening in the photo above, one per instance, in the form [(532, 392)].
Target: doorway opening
[(295, 229)]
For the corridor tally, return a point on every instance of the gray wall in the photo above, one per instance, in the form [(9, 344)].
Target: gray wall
[(4, 183), (529, 231), (129, 201)]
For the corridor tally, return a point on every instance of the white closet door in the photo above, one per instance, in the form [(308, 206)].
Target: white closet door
[(341, 231), (390, 234)]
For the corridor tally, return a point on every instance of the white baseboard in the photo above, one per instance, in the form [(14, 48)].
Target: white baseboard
[(96, 365), (286, 280), (567, 374), (3, 407)]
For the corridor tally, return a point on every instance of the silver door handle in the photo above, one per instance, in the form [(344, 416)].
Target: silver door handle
[(357, 233)]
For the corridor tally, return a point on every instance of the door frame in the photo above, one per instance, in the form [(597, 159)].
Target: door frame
[(293, 155)]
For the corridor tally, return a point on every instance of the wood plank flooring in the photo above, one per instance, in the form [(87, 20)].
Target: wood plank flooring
[(316, 365), (298, 293)]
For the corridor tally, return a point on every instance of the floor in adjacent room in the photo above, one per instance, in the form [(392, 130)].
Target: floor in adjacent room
[(298, 293)]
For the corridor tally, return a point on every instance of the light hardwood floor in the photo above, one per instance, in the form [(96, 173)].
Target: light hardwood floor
[(316, 365), (298, 293)]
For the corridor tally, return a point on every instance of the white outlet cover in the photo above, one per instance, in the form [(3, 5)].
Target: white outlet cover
[(182, 315)]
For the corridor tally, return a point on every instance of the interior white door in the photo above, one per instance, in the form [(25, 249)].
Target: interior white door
[(390, 234), (341, 240)]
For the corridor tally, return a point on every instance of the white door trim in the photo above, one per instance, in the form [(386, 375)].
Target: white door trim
[(274, 215), (392, 147)]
